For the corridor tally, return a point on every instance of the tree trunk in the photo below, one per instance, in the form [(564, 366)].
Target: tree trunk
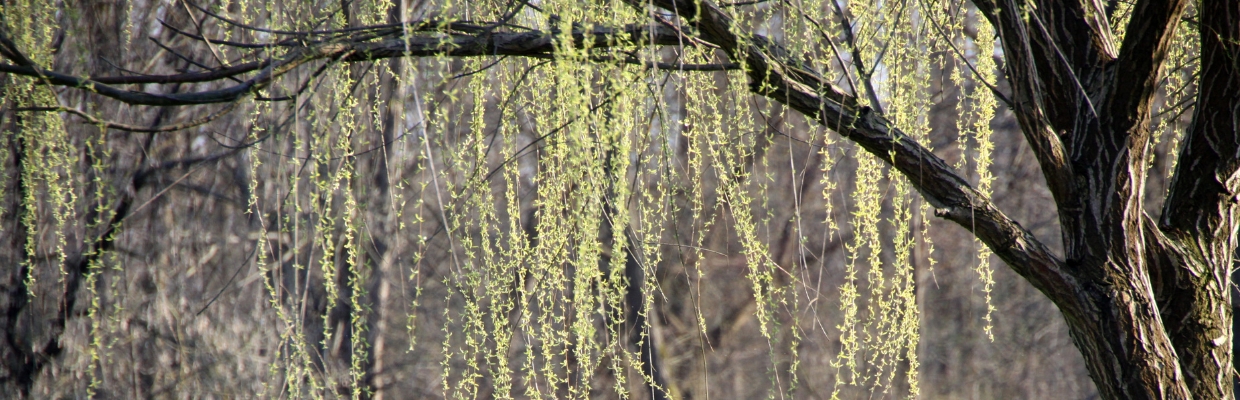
[(1148, 303)]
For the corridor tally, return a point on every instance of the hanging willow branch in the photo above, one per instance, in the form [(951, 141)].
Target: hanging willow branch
[(774, 76), (772, 72), (1081, 93)]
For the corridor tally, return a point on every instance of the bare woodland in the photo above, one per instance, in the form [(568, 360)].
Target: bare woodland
[(618, 199)]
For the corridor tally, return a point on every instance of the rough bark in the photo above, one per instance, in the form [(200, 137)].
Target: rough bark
[(1098, 104), (1200, 213)]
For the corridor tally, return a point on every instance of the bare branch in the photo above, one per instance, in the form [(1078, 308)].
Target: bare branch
[(859, 63), (1051, 65), (189, 59), (9, 50), (198, 24), (769, 66), (135, 128), (209, 76), (282, 43), (664, 66)]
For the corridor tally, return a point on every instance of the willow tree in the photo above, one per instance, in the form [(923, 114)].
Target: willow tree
[(552, 239)]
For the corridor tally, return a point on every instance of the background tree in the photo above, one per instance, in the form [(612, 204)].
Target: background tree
[(552, 188)]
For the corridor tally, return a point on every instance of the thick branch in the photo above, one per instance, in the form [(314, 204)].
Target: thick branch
[(1200, 212), (1136, 72), (1205, 187), (1058, 50), (1056, 56), (1114, 322)]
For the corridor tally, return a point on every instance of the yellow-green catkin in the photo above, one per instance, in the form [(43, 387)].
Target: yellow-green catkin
[(46, 180), (96, 148), (546, 295), (880, 318), (908, 107), (975, 110), (980, 112), (1120, 18), (864, 221), (1177, 83), (701, 97), (525, 183)]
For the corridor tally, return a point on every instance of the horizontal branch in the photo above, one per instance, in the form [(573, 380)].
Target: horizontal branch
[(669, 66), (215, 75), (396, 44)]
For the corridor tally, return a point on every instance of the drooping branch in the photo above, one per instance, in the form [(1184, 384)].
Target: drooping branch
[(768, 65), (866, 80), (1054, 59), (1105, 301), (774, 76)]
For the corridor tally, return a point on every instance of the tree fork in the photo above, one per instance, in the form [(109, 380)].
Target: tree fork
[(1147, 304)]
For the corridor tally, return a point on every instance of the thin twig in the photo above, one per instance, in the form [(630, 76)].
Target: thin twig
[(631, 59), (134, 128), (743, 3), (306, 84), (1068, 68), (191, 60), (211, 75), (834, 49), (484, 68), (858, 63), (966, 62), (283, 43), (198, 24)]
